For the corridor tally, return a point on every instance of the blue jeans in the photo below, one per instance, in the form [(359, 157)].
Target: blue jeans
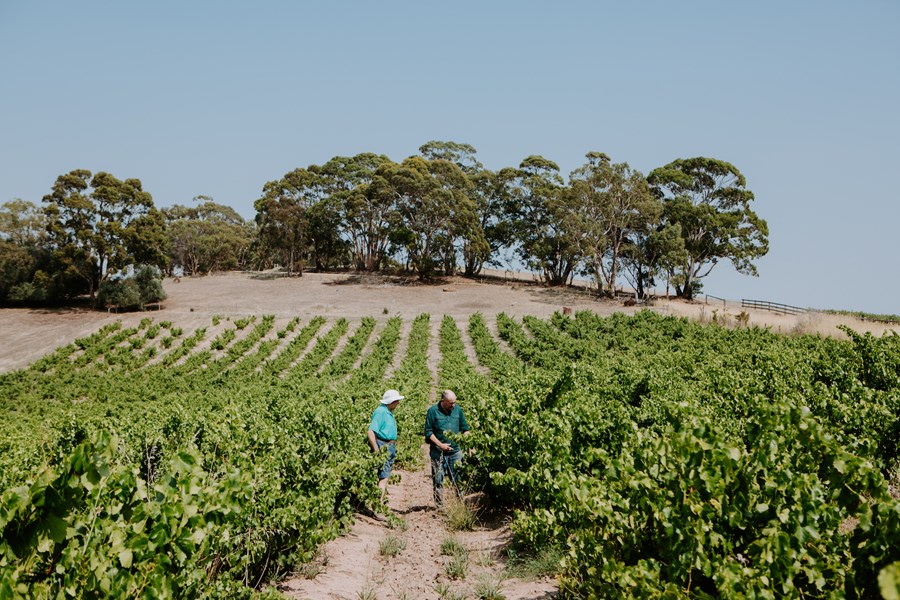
[(385, 471), (437, 474)]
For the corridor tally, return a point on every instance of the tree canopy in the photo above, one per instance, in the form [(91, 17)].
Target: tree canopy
[(207, 237), (433, 213), (98, 225), (709, 200)]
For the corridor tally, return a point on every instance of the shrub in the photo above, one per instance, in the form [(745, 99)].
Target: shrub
[(142, 288)]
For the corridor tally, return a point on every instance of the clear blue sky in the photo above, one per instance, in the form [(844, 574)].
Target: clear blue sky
[(217, 98)]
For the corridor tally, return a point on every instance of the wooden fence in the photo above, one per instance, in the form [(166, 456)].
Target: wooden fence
[(723, 300), (775, 307)]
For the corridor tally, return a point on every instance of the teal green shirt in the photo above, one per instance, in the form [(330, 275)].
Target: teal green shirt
[(438, 422), (384, 424)]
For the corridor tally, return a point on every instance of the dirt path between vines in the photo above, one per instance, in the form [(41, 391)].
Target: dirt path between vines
[(352, 567)]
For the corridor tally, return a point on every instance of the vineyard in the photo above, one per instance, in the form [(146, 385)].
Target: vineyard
[(658, 457)]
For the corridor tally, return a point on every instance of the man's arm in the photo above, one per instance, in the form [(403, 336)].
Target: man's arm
[(430, 436), (444, 447), (373, 443)]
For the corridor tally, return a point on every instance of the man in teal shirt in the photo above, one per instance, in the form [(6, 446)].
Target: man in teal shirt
[(445, 416), (383, 433)]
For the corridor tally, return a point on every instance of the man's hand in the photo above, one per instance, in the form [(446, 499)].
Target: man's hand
[(445, 447)]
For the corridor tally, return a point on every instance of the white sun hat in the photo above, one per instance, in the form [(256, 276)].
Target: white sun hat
[(391, 396)]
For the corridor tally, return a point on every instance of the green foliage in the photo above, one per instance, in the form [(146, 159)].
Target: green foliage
[(671, 459), (136, 291), (97, 226), (533, 565), (277, 463), (889, 582), (207, 237), (123, 293), (709, 201), (606, 205), (95, 528), (536, 220), (433, 207), (641, 456)]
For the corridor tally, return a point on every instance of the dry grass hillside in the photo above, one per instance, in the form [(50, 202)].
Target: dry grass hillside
[(27, 334)]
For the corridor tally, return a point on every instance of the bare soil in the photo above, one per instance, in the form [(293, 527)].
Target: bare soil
[(28, 334), (352, 567)]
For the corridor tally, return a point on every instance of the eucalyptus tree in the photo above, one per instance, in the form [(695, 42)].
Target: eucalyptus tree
[(354, 204), (604, 204), (432, 202), (480, 234), (207, 237), (282, 220), (710, 201), (651, 251), (22, 248), (17, 267), (462, 155), (327, 248), (99, 225), (22, 223), (536, 216)]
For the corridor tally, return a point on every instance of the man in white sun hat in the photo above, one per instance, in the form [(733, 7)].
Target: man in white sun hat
[(383, 433)]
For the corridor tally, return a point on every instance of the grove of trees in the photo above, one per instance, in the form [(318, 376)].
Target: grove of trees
[(440, 212)]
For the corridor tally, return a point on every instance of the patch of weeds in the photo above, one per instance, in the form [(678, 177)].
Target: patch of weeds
[(317, 565), (216, 319), (391, 546), (459, 515), (444, 592), (533, 565), (367, 593), (167, 341), (485, 559), (488, 588), (458, 565), (452, 547), (396, 523)]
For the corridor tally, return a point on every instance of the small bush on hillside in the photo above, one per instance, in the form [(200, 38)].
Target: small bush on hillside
[(134, 292)]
